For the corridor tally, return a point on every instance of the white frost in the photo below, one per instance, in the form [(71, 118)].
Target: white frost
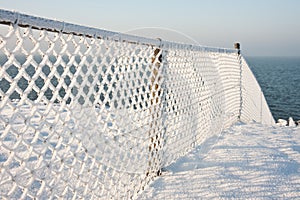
[(281, 122), (291, 122)]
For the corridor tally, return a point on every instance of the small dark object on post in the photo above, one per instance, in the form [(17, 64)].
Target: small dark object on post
[(238, 47)]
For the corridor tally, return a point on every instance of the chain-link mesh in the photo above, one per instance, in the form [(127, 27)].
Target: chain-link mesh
[(254, 105), (85, 115)]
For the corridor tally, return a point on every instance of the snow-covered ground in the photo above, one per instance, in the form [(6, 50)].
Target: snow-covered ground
[(247, 161)]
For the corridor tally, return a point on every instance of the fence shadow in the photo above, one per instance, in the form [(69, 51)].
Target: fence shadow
[(259, 164)]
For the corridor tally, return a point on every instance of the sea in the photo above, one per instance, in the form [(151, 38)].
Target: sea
[(279, 79)]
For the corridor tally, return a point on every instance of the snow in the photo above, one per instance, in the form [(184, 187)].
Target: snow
[(291, 122), (245, 161)]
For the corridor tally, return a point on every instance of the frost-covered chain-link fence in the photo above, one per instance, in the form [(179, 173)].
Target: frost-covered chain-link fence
[(87, 113), (254, 105)]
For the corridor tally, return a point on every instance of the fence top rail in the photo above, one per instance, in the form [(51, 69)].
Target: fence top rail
[(24, 20)]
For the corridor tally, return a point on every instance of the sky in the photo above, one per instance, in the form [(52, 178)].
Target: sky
[(263, 27)]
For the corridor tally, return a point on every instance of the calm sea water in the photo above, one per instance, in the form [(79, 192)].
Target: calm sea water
[(279, 78)]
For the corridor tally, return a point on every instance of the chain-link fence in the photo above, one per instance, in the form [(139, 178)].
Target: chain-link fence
[(87, 113)]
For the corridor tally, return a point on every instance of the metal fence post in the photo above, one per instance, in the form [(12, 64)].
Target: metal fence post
[(237, 46)]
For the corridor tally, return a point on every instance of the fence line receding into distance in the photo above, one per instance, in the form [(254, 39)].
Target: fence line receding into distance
[(88, 113)]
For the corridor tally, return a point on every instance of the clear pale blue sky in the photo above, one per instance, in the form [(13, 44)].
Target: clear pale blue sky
[(263, 27)]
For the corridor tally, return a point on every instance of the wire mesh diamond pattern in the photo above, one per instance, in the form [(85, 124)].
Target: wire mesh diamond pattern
[(96, 117)]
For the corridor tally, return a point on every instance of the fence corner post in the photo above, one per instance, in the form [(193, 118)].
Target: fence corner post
[(238, 47)]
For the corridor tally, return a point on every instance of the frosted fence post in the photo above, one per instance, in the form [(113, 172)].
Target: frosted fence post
[(156, 102), (237, 46), (261, 106)]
